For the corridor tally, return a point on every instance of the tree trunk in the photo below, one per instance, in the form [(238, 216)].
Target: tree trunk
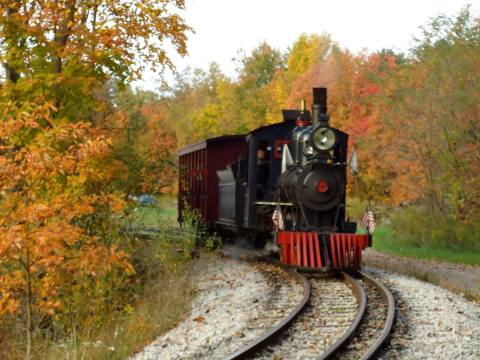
[(28, 352), (11, 40), (61, 38)]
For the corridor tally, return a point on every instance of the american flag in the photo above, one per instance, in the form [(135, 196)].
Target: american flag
[(368, 220), (277, 218)]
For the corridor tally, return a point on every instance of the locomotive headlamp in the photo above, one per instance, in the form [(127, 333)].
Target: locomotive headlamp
[(323, 138)]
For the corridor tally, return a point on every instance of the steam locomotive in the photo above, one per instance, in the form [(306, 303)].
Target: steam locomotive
[(284, 182)]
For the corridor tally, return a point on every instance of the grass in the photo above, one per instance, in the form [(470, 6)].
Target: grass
[(164, 302), (152, 216), (384, 241)]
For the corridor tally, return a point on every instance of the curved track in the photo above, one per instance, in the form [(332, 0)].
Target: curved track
[(390, 316), (264, 339), (367, 343), (362, 339), (359, 293)]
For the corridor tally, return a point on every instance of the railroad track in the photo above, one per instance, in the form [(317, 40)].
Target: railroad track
[(364, 340), (270, 335), (174, 232), (347, 317)]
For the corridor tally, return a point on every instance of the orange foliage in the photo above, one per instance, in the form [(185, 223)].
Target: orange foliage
[(321, 74), (61, 261), (45, 249), (157, 147)]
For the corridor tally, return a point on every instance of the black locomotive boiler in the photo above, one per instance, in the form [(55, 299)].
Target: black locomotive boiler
[(284, 182)]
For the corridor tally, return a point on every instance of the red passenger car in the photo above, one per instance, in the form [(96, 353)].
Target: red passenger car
[(198, 180)]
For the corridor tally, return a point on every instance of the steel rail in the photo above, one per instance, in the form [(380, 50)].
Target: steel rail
[(373, 350), (267, 337), (387, 329), (359, 293)]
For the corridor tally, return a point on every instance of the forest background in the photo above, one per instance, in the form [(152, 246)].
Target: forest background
[(413, 119), (76, 142)]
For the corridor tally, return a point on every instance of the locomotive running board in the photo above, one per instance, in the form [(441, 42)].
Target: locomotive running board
[(321, 251), (273, 203)]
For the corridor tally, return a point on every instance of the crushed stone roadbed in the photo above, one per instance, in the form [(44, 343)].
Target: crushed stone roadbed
[(432, 323), (458, 278), (236, 302)]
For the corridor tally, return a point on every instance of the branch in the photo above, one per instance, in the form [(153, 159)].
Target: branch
[(10, 72), (61, 38)]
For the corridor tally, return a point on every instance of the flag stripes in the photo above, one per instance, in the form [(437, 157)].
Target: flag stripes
[(368, 220), (277, 218)]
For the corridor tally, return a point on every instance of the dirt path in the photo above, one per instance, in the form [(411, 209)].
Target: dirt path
[(464, 279)]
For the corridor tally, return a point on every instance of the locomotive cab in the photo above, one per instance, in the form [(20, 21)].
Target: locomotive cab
[(254, 191)]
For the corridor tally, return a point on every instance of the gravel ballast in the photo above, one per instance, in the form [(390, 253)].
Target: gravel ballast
[(432, 323), (331, 310), (459, 278), (237, 301), (371, 325)]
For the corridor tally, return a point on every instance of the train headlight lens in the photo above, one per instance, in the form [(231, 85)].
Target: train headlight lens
[(323, 138), (308, 151)]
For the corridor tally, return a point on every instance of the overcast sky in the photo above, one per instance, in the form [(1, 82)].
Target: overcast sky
[(224, 26)]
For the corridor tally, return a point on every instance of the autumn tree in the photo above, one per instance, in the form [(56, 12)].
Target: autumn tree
[(435, 113), (57, 245), (306, 52), (255, 72), (366, 126), (321, 74), (47, 250), (144, 144), (99, 36), (201, 104), (340, 92)]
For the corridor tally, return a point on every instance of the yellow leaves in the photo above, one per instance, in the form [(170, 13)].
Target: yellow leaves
[(49, 307), (307, 51), (129, 309), (8, 305), (38, 212), (123, 28), (117, 205), (43, 200), (128, 268), (54, 167)]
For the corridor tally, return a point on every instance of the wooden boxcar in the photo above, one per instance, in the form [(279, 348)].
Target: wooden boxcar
[(198, 181)]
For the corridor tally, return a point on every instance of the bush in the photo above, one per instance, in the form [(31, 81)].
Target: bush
[(415, 226)]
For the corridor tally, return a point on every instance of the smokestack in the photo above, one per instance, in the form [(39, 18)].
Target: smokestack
[(319, 108)]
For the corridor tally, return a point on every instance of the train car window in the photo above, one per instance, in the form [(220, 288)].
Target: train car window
[(239, 167), (264, 160)]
